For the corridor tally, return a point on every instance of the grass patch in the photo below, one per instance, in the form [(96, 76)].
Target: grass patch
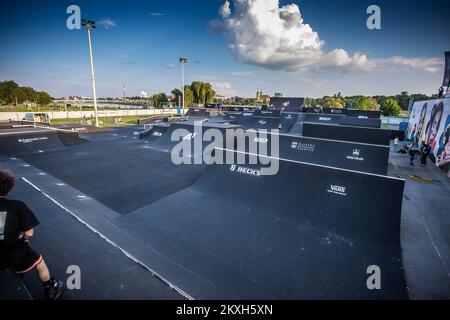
[(104, 121)]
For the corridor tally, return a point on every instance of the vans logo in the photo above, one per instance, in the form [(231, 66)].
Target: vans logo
[(244, 170), (337, 190), (324, 118)]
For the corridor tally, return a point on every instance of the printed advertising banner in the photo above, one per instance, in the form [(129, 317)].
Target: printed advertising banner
[(429, 123), (446, 81)]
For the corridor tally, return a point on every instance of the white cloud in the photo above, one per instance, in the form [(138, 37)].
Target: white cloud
[(107, 23), (240, 73), (169, 65), (157, 14), (263, 33), (224, 88), (431, 65)]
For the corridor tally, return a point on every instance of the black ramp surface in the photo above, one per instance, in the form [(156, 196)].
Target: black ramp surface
[(361, 122), (16, 142), (154, 132), (287, 120), (121, 174), (320, 118), (334, 111), (347, 133), (197, 113), (341, 154), (364, 114), (265, 123), (287, 103), (307, 232)]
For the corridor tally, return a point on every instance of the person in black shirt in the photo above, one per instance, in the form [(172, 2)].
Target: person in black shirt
[(17, 223)]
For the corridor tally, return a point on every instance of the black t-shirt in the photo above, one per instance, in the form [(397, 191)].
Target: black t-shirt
[(15, 217)]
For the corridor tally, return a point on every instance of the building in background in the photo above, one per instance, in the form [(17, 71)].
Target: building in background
[(143, 94)]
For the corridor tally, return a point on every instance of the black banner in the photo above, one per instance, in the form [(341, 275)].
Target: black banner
[(287, 104), (446, 81)]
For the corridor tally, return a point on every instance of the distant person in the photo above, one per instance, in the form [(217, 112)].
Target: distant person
[(441, 92), (396, 143), (412, 154), (424, 154), (17, 223)]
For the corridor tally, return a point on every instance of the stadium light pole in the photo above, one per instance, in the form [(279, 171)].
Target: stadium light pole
[(182, 62), (91, 25)]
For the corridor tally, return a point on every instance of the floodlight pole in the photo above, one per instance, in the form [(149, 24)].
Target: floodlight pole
[(90, 25), (182, 62)]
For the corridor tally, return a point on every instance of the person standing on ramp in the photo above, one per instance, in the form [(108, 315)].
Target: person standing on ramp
[(17, 223)]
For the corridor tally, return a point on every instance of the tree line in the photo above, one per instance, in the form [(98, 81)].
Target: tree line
[(389, 105), (12, 93)]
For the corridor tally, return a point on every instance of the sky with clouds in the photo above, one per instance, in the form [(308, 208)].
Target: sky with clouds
[(300, 48)]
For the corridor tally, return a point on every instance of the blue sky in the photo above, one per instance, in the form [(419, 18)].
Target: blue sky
[(141, 46)]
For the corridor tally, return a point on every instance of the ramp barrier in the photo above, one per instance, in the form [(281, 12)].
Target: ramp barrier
[(17, 142), (307, 232), (360, 122), (347, 133)]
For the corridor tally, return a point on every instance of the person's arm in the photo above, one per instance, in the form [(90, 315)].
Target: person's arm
[(29, 234), (28, 222)]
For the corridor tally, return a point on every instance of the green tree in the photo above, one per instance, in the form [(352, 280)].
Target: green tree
[(6, 90), (333, 102), (366, 103), (403, 99), (43, 98), (390, 107), (18, 95), (178, 95), (209, 93), (189, 98), (158, 99)]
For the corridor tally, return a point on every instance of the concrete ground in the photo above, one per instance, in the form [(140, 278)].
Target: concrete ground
[(425, 227)]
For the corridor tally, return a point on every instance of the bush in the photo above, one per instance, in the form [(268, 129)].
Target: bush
[(390, 107)]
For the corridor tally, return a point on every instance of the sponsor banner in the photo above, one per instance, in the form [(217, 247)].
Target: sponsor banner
[(429, 124), (446, 81)]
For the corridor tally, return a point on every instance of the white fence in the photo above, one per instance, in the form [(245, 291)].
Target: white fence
[(5, 116)]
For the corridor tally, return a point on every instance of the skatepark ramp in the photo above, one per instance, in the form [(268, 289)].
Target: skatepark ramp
[(347, 133), (22, 141), (308, 231), (340, 154)]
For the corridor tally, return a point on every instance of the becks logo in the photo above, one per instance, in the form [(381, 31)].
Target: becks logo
[(244, 170)]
